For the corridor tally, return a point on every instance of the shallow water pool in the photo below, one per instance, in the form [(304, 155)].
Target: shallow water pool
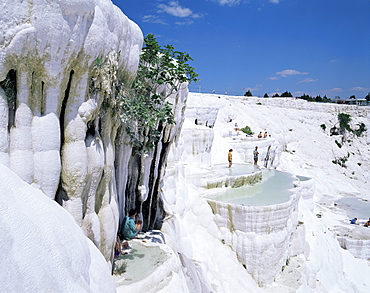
[(141, 262), (274, 188), (354, 207), (235, 170)]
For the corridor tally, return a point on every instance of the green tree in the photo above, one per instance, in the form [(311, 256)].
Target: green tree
[(248, 94), (265, 95), (142, 106), (286, 94), (352, 97), (367, 97), (325, 99), (161, 72), (318, 99), (275, 95)]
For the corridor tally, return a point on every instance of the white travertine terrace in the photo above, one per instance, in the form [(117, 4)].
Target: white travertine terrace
[(265, 233)]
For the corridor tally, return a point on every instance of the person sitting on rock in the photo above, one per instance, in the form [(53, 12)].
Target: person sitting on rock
[(265, 134), (367, 224), (260, 135), (354, 221), (130, 228)]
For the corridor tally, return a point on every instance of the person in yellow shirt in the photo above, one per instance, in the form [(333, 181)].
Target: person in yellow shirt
[(230, 157)]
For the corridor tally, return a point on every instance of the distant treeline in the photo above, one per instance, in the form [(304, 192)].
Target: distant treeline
[(306, 97)]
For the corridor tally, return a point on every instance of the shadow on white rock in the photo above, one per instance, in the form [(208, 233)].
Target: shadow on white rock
[(42, 247)]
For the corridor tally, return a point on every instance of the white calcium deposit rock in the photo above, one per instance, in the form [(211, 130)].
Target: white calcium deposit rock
[(42, 247), (51, 132)]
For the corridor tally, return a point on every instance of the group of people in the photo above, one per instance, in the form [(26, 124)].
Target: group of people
[(262, 136), (354, 222), (131, 226), (230, 156)]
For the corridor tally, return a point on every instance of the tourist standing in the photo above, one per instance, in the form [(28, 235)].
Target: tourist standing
[(230, 157), (255, 155)]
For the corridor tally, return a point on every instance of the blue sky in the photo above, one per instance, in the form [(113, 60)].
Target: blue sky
[(317, 47)]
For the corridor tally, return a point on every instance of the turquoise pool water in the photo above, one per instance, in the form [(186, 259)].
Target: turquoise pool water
[(140, 262), (274, 188)]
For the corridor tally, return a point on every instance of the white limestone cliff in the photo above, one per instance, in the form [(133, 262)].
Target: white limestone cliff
[(53, 134)]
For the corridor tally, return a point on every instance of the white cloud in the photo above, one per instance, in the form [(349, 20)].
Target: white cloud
[(274, 78), (274, 1), (255, 88), (336, 90), (228, 2), (309, 79), (332, 61), (288, 72), (152, 19), (359, 88), (188, 22), (197, 15), (175, 9), (298, 93)]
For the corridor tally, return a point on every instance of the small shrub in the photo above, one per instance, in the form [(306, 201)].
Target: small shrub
[(359, 164), (338, 144), (344, 120), (323, 126), (247, 130), (361, 129), (120, 269), (341, 161)]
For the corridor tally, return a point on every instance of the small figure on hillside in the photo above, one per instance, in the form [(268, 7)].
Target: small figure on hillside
[(230, 157), (265, 134), (353, 221), (260, 134), (255, 155), (130, 227), (236, 127), (367, 224)]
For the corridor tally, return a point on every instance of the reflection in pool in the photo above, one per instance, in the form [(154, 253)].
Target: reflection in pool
[(274, 188)]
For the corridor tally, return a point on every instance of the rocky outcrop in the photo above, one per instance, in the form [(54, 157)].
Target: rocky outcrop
[(58, 128), (55, 134)]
